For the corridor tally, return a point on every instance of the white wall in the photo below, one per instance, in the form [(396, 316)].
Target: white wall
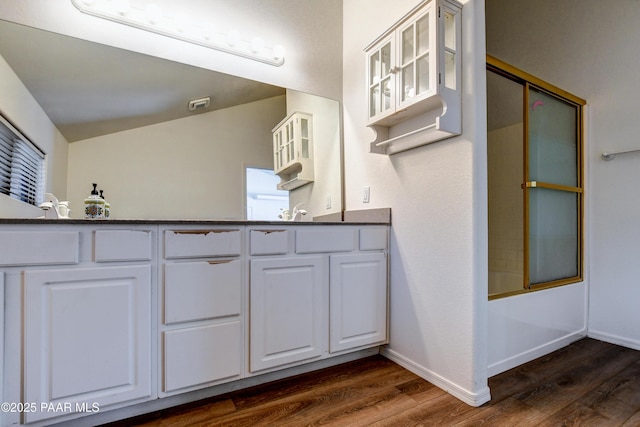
[(584, 47), (182, 169), (438, 197), (310, 31), (18, 106)]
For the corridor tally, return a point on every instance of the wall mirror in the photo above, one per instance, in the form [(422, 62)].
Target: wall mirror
[(125, 116)]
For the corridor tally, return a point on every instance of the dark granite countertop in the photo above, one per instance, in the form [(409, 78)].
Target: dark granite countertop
[(380, 216)]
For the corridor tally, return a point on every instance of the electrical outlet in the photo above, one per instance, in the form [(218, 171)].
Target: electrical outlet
[(366, 194), (329, 201)]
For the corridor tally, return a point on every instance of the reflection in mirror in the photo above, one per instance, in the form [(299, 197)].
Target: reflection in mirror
[(125, 117)]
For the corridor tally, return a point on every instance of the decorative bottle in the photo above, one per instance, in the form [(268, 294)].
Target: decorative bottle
[(94, 205)]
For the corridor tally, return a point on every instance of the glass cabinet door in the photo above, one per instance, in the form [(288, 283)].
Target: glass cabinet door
[(415, 59), (381, 84)]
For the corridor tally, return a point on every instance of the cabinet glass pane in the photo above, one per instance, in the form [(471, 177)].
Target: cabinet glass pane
[(553, 235), (408, 52), (553, 135), (380, 64), (374, 68), (385, 60), (450, 70), (449, 31), (408, 89), (422, 28), (374, 100), (289, 142), (422, 65), (304, 130), (386, 94)]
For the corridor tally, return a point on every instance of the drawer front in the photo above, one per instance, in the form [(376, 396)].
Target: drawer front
[(202, 243), (269, 242), (39, 247), (122, 245), (372, 239), (202, 355), (338, 239), (202, 290)]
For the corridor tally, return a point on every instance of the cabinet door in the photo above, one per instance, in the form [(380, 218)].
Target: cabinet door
[(381, 79), (288, 305), (87, 337), (358, 301), (417, 59)]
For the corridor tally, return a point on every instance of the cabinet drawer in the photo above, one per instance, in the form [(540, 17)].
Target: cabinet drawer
[(202, 243), (122, 245), (269, 242), (202, 355), (202, 290), (372, 239), (324, 239), (39, 247)]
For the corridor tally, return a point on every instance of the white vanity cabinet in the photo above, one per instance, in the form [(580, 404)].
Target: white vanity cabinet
[(108, 317), (316, 292), (413, 78), (78, 323), (202, 322)]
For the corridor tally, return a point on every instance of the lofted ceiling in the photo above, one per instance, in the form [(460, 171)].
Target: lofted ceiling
[(88, 89)]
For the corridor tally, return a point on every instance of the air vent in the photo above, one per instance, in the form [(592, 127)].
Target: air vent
[(199, 104)]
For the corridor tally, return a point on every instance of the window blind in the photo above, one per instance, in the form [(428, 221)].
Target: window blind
[(21, 166)]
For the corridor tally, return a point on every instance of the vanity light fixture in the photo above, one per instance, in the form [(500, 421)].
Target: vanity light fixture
[(151, 18)]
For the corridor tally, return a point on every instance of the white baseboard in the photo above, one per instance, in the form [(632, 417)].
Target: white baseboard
[(533, 353), (614, 339), (472, 399)]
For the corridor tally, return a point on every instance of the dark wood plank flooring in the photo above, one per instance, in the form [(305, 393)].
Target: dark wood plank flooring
[(589, 383)]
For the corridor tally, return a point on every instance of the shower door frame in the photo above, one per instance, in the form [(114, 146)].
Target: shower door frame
[(528, 82)]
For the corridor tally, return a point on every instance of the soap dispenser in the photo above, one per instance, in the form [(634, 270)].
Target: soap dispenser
[(94, 205)]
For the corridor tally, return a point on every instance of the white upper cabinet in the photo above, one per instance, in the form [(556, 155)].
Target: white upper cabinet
[(413, 79), (293, 151)]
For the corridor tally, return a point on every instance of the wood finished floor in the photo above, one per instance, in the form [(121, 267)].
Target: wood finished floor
[(589, 383)]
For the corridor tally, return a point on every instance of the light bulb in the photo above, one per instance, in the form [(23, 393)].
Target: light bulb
[(257, 44), (233, 38), (278, 52), (121, 6), (154, 13)]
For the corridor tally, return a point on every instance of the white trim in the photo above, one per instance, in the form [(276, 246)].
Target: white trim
[(614, 339), (470, 398), (534, 353)]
